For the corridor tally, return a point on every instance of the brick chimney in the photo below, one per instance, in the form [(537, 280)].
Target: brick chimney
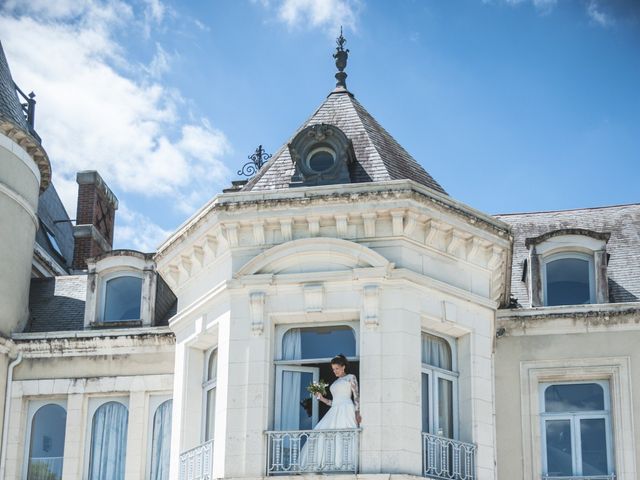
[(95, 217)]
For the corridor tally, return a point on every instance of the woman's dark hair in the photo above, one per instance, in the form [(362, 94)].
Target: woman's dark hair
[(340, 359)]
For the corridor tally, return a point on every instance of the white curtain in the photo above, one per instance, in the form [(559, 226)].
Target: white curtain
[(445, 407), (290, 408), (109, 442), (436, 352), (45, 468), (161, 441)]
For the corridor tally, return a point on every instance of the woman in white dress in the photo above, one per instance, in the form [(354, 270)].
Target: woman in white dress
[(337, 450)]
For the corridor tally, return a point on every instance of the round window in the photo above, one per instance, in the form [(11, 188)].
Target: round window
[(321, 160)]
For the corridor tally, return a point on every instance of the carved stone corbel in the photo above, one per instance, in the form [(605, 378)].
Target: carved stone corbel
[(257, 312), (370, 313)]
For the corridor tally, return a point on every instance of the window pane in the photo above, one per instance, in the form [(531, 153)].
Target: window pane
[(594, 446), (161, 442), (212, 366), (559, 458), (574, 397), (122, 299), (568, 282), (318, 342), (109, 442), (436, 351), (305, 409), (211, 414), (425, 403), (445, 407), (46, 449)]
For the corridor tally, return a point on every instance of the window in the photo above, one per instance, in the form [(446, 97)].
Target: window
[(161, 441), (321, 159), (568, 279), (439, 387), (305, 354), (122, 297), (576, 431), (108, 448), (209, 387), (46, 441)]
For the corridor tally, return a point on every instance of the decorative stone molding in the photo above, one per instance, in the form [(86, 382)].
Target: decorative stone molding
[(432, 231), (186, 264), (211, 245), (342, 225), (198, 255), (397, 219), (231, 231), (257, 312), (370, 313), (412, 224), (314, 226), (313, 297), (258, 233), (286, 229), (369, 220)]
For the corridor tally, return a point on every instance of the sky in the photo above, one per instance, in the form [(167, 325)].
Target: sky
[(511, 105)]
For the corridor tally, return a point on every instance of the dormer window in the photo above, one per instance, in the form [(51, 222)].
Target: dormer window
[(322, 155), (122, 298), (568, 267), (568, 279)]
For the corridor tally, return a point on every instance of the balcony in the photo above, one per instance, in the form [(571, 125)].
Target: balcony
[(312, 451), (447, 459), (197, 463)]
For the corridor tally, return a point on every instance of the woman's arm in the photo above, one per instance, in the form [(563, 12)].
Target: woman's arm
[(355, 391), (324, 400)]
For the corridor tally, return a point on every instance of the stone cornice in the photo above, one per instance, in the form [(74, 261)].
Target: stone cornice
[(32, 147)]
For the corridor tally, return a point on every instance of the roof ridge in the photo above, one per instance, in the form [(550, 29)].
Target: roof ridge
[(539, 212)]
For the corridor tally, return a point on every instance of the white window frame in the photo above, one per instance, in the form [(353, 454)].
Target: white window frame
[(574, 419), (293, 364), (94, 404), (434, 374), (34, 406), (207, 386), (104, 279), (569, 255), (315, 371), (154, 403), (615, 370)]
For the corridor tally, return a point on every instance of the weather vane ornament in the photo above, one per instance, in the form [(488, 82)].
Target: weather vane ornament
[(341, 56), (257, 160)]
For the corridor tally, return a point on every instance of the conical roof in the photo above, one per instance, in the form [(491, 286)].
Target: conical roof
[(379, 156)]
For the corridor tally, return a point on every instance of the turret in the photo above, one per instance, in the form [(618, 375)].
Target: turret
[(25, 171)]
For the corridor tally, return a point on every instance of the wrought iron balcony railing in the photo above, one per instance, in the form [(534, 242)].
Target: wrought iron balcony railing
[(197, 463), (313, 451), (447, 459)]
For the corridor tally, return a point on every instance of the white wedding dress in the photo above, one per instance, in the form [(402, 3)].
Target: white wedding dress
[(334, 450)]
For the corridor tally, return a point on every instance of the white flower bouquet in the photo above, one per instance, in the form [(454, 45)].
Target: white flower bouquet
[(315, 388)]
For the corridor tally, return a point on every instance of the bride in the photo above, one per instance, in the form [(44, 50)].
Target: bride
[(335, 448)]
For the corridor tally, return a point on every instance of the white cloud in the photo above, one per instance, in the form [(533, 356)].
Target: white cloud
[(98, 110), (597, 15), (133, 228), (325, 14)]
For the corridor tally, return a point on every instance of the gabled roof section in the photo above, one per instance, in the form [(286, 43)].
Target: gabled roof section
[(379, 156)]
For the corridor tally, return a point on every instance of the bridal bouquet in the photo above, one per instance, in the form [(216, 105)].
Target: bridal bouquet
[(317, 387)]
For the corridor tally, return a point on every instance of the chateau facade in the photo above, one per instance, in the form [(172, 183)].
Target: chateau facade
[(485, 346)]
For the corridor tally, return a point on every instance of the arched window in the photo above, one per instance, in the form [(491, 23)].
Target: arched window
[(568, 279), (122, 297), (108, 442), (46, 444), (576, 430), (305, 354), (209, 388), (161, 441), (439, 387)]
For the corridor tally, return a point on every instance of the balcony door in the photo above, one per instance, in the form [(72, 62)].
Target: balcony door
[(297, 410)]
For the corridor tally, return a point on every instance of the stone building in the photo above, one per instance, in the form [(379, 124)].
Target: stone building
[(485, 346)]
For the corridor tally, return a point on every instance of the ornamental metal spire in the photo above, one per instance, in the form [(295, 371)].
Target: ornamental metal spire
[(341, 56), (257, 160)]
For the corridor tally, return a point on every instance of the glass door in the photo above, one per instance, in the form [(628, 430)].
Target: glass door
[(296, 410)]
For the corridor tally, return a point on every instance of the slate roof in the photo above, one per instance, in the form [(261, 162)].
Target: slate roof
[(10, 108), (57, 303), (50, 211), (378, 156), (623, 222)]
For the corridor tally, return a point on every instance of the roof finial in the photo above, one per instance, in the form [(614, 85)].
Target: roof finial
[(341, 56)]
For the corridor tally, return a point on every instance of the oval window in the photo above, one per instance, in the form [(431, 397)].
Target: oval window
[(321, 160)]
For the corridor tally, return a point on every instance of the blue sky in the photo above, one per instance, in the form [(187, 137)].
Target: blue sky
[(512, 105)]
